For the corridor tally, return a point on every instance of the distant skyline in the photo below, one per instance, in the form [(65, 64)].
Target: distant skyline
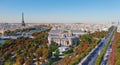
[(60, 11)]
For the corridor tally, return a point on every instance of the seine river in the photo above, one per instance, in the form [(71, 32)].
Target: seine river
[(30, 33), (2, 41)]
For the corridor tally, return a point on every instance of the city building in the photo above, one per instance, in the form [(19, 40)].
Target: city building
[(63, 37), (65, 34), (62, 49)]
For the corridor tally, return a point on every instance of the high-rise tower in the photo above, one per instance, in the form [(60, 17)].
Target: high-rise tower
[(23, 23)]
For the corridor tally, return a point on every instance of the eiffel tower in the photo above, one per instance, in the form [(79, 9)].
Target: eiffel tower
[(23, 23)]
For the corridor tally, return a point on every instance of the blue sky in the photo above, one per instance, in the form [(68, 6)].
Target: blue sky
[(62, 11)]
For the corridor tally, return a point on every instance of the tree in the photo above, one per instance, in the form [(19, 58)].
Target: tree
[(29, 62), (5, 56), (69, 51), (7, 63), (39, 52), (19, 60), (17, 52), (57, 53), (76, 42), (53, 46), (87, 38), (45, 53)]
